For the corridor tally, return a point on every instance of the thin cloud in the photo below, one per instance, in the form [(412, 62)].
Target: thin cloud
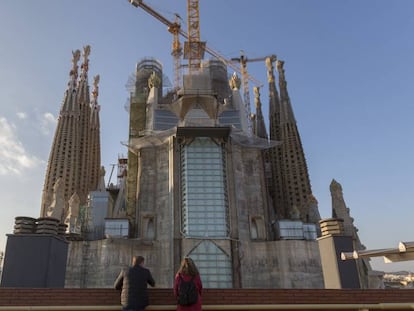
[(14, 159), (22, 115), (47, 123)]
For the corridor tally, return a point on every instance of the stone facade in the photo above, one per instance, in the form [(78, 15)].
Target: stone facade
[(198, 185)]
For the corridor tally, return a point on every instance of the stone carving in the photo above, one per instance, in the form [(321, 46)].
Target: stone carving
[(282, 81), (101, 183), (95, 91), (57, 207), (313, 215), (235, 82), (256, 91), (294, 213), (270, 68), (96, 81), (154, 81), (86, 52), (75, 60), (73, 214)]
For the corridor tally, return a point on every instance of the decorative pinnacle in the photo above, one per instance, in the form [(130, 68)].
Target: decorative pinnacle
[(256, 91), (95, 91), (86, 52), (279, 65), (235, 82), (75, 60), (154, 80), (270, 68)]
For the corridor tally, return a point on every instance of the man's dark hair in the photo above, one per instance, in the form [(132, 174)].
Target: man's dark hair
[(137, 260)]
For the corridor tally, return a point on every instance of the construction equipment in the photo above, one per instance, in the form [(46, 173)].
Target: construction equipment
[(194, 50), (176, 51), (245, 82), (177, 29)]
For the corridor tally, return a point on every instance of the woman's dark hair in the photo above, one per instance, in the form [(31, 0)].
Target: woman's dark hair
[(188, 267)]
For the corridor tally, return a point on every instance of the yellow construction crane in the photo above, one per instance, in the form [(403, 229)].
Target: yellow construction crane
[(194, 50), (194, 28), (245, 82)]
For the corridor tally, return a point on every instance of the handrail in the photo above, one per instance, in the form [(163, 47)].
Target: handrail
[(330, 306)]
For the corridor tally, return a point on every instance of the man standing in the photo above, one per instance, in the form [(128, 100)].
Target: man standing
[(133, 285)]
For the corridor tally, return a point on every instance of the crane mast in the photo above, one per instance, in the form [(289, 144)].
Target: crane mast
[(176, 51), (193, 48)]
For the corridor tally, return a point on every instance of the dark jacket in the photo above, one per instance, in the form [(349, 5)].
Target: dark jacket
[(133, 285)]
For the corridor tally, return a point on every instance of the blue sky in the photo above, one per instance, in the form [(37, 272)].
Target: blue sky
[(349, 67)]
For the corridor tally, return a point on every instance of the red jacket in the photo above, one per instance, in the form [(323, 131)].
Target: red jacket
[(199, 286)]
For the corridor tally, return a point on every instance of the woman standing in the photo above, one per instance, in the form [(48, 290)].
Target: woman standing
[(188, 272)]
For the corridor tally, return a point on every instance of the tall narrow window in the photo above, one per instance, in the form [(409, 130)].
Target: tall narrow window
[(204, 196)]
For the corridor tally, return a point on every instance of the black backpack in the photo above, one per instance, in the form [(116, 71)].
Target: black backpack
[(187, 292)]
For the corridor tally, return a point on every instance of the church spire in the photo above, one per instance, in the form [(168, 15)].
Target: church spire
[(291, 187), (75, 154), (62, 159), (275, 184), (84, 126), (95, 142)]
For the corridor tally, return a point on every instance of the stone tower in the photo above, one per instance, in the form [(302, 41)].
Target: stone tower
[(74, 158), (291, 189)]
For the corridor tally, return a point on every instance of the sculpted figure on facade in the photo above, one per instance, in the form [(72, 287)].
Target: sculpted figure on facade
[(235, 82), (154, 81), (294, 213), (313, 215), (73, 214), (101, 184), (56, 209)]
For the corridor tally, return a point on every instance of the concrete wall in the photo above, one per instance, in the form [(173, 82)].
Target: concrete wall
[(281, 264), (272, 264)]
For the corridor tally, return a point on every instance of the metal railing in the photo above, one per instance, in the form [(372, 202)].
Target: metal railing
[(352, 306)]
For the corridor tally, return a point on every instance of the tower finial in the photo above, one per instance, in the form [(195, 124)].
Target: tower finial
[(85, 64), (235, 82), (270, 68), (256, 90), (95, 91), (279, 65), (75, 60)]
